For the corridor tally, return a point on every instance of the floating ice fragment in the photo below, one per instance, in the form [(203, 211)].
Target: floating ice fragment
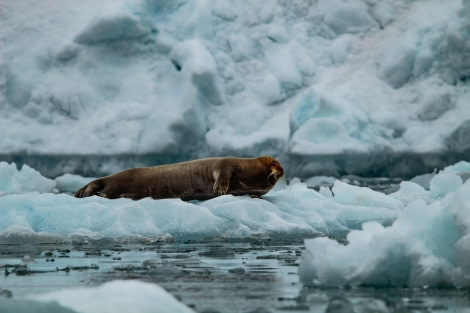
[(349, 194), (116, 296), (443, 183)]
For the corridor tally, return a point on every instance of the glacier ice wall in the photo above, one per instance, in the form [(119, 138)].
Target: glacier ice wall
[(335, 82)]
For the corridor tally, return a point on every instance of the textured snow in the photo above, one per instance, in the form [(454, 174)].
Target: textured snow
[(198, 78)]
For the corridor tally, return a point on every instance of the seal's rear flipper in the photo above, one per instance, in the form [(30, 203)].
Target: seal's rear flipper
[(92, 189)]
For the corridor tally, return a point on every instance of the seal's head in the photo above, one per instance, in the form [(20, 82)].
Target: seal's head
[(276, 170)]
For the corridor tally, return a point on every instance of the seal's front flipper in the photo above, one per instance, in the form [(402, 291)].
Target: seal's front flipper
[(221, 184)]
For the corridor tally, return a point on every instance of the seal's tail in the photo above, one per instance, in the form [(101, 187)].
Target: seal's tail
[(92, 189)]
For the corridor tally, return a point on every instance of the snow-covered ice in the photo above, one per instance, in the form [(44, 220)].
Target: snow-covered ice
[(344, 79)]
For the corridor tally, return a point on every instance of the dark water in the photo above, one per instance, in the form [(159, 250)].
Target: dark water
[(252, 276)]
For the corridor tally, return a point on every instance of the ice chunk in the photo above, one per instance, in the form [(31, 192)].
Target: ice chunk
[(306, 108), (193, 58), (25, 180), (397, 63), (108, 28), (435, 105), (443, 183), (311, 137), (325, 124), (410, 191), (363, 196), (279, 58), (460, 207), (115, 296), (347, 17), (384, 12), (461, 168), (71, 183), (425, 246), (270, 90), (323, 213), (340, 49)]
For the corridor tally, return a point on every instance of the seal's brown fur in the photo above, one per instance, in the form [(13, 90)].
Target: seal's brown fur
[(193, 180)]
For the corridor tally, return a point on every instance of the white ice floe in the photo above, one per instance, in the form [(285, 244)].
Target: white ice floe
[(287, 212), (427, 245)]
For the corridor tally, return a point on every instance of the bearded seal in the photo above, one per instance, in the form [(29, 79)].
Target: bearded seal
[(193, 180)]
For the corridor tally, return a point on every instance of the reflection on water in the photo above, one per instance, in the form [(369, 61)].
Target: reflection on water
[(254, 276)]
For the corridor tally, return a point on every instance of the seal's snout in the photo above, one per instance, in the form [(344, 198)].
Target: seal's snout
[(276, 172), (276, 169)]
